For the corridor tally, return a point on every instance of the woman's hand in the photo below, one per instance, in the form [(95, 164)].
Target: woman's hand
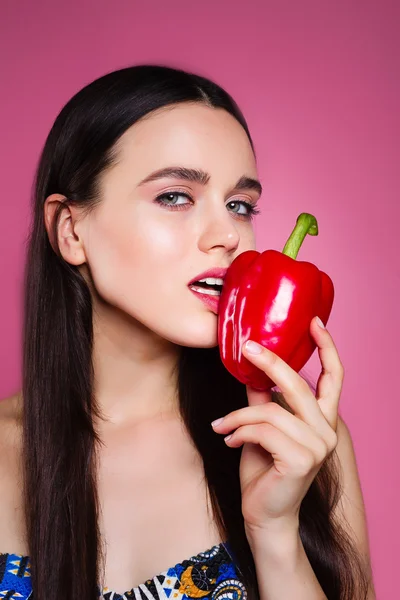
[(283, 453)]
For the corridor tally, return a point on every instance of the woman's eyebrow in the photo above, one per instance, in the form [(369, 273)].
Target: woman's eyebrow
[(199, 176)]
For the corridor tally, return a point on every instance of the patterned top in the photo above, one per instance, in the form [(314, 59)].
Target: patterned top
[(210, 575)]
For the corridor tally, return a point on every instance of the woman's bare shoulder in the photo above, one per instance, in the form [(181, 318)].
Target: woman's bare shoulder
[(11, 410), (11, 514), (10, 438)]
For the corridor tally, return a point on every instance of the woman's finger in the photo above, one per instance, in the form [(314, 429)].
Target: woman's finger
[(295, 389), (319, 442), (330, 381), (290, 457)]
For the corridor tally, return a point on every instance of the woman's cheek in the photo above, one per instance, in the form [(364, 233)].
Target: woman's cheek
[(111, 261)]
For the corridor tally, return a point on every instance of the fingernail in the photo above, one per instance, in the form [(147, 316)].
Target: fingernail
[(253, 347), (320, 323), (217, 422), (228, 437)]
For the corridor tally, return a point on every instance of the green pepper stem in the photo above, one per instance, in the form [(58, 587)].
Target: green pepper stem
[(305, 224)]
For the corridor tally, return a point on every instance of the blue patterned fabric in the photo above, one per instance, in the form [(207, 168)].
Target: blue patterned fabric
[(208, 575), (15, 577)]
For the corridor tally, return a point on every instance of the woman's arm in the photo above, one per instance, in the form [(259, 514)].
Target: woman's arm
[(351, 509), (283, 568), (12, 525)]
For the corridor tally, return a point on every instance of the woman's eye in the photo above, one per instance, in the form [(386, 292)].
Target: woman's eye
[(170, 196), (248, 210)]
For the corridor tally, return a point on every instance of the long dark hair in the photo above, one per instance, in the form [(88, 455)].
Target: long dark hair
[(60, 439)]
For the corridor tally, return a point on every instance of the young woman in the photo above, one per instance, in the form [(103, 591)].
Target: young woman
[(111, 471)]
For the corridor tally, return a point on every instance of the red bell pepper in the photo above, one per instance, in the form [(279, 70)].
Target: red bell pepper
[(271, 298)]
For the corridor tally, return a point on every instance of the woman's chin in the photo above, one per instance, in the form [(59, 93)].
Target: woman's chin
[(205, 335), (200, 341)]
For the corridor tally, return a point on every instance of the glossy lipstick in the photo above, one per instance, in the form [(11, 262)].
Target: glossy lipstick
[(215, 272), (209, 300)]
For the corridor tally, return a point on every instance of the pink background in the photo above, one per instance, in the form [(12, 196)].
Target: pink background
[(319, 84)]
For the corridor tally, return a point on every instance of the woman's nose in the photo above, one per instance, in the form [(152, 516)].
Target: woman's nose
[(219, 230)]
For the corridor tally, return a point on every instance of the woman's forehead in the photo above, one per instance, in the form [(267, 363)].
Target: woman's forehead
[(192, 135)]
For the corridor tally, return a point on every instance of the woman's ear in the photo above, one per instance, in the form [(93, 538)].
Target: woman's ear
[(67, 238)]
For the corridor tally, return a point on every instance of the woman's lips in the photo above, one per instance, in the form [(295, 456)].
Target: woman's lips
[(210, 301), (217, 272)]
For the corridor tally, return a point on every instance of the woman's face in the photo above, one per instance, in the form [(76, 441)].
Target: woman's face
[(143, 253)]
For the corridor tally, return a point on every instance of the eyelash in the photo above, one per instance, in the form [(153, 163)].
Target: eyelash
[(252, 210)]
